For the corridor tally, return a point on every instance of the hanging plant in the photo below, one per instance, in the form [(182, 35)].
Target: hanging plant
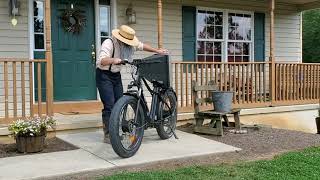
[(73, 20)]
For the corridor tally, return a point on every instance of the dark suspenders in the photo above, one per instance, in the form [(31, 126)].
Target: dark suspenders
[(112, 53)]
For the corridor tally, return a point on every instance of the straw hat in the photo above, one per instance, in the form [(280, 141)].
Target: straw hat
[(126, 35)]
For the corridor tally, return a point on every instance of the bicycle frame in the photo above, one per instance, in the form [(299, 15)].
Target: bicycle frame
[(151, 115)]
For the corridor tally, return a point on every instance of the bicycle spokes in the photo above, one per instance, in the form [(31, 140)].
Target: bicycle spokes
[(128, 127)]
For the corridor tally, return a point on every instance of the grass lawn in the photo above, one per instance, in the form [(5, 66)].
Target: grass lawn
[(294, 165)]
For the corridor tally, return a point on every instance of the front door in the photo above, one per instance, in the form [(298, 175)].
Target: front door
[(73, 67)]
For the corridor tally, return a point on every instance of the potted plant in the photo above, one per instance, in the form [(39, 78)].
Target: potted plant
[(30, 133)]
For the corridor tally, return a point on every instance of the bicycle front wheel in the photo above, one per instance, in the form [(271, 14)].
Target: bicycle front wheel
[(126, 126)]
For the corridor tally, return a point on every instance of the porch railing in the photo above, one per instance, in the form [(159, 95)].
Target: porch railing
[(295, 83), (17, 89)]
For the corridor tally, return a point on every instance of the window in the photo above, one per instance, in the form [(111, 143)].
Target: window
[(218, 40), (239, 37), (210, 36), (104, 10), (38, 25)]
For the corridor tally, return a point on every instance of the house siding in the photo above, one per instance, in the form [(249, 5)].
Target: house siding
[(14, 43), (287, 24)]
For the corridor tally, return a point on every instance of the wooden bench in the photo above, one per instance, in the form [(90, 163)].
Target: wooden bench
[(215, 127)]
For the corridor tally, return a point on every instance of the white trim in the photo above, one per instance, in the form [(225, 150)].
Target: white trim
[(97, 28), (301, 38), (31, 40), (97, 24), (225, 27), (31, 37), (114, 17), (223, 10), (97, 33), (30, 29), (226, 35)]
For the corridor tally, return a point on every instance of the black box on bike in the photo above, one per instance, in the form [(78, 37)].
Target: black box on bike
[(155, 68)]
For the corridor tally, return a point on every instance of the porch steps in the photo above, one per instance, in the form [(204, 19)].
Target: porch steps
[(87, 122)]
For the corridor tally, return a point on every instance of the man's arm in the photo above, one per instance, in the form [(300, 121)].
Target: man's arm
[(107, 61), (105, 56), (148, 48)]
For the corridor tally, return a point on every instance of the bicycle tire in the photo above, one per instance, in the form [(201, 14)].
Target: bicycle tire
[(114, 126), (162, 132)]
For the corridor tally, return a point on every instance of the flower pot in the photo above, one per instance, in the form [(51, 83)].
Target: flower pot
[(30, 144), (318, 124)]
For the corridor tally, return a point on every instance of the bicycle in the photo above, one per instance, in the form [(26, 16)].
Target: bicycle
[(131, 115)]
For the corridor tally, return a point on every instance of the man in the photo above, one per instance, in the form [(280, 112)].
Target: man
[(120, 46)]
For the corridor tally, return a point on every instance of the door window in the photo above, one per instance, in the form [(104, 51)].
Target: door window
[(104, 16)]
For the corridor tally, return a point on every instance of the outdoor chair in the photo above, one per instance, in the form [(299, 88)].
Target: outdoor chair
[(215, 127)]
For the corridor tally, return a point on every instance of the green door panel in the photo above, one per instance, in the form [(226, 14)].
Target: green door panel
[(72, 62)]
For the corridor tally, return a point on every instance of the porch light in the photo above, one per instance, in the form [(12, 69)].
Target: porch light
[(14, 21), (131, 14), (14, 11)]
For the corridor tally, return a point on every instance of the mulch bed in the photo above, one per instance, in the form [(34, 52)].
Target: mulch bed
[(52, 145), (264, 143)]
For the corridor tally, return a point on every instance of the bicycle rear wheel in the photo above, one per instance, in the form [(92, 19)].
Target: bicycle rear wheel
[(167, 115), (126, 126)]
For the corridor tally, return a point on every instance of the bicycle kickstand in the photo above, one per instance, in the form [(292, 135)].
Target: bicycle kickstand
[(174, 133)]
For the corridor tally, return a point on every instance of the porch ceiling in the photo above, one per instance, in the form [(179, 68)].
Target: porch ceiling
[(303, 4)]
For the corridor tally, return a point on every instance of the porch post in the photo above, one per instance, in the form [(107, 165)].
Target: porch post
[(160, 43), (49, 64), (271, 56)]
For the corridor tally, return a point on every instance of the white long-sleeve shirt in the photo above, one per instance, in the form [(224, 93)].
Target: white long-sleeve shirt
[(107, 50)]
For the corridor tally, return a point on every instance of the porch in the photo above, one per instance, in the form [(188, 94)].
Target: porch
[(294, 84), (255, 84)]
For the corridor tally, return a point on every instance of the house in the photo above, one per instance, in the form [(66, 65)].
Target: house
[(251, 46)]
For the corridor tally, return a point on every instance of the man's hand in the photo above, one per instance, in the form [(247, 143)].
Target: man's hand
[(163, 51), (116, 61)]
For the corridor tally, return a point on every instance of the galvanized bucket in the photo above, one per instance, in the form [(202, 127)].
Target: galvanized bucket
[(222, 100)]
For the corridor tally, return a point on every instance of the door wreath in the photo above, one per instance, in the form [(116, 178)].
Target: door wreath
[(73, 20)]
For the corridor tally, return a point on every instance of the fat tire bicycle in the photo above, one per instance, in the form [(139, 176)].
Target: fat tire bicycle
[(131, 115)]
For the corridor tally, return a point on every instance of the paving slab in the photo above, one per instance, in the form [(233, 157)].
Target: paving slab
[(96, 155), (153, 149), (50, 164)]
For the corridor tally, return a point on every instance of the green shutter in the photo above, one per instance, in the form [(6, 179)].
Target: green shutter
[(189, 33), (259, 37)]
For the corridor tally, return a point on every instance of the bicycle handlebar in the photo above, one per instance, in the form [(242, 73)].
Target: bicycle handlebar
[(124, 62)]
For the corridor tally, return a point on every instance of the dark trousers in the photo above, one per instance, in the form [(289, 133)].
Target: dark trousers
[(110, 89)]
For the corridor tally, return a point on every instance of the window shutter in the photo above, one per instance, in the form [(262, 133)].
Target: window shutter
[(189, 33), (259, 37)]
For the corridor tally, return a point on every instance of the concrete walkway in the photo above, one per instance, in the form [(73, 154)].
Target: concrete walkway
[(95, 155)]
